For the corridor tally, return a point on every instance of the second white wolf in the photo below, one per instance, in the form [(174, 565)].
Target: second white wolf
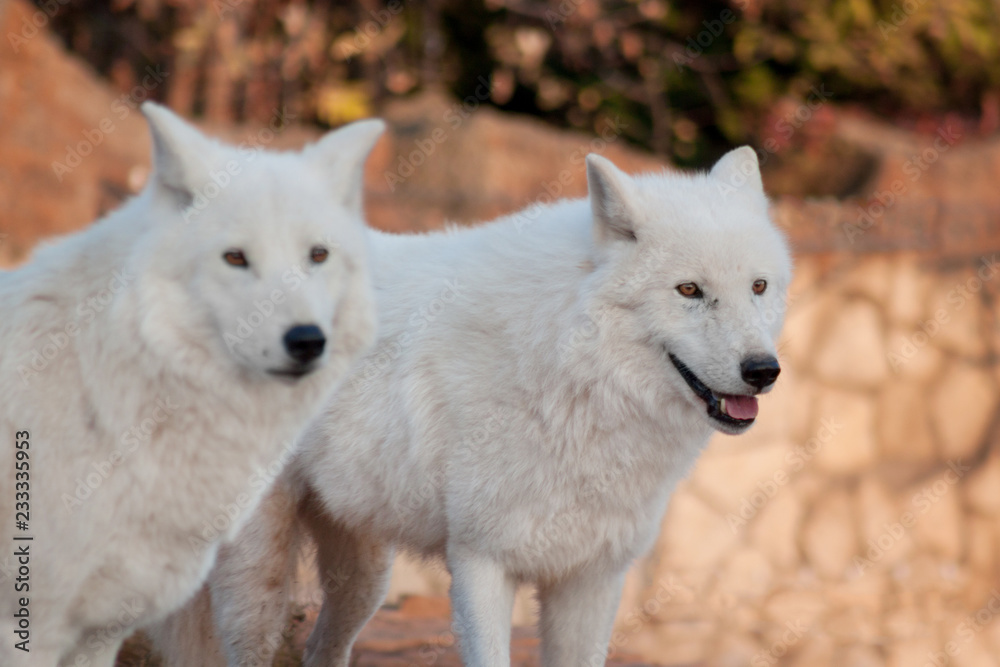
[(537, 392)]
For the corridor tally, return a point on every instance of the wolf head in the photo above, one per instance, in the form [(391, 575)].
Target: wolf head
[(699, 277), (257, 256)]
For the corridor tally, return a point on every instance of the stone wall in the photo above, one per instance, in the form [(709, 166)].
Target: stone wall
[(856, 524)]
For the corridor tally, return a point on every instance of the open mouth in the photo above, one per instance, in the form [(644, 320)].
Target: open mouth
[(734, 410)]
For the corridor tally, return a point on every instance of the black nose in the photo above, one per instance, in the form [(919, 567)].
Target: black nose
[(760, 371), (304, 342)]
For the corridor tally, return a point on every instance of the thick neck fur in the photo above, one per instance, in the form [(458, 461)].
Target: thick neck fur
[(551, 306)]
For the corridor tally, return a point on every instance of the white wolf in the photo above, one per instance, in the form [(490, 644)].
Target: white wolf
[(152, 369), (537, 391)]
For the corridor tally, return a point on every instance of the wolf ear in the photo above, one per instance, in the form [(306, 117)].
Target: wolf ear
[(179, 152), (343, 153), (611, 191), (738, 167)]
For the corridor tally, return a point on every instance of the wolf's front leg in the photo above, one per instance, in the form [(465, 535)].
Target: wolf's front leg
[(250, 588), (577, 617), (354, 571), (482, 600)]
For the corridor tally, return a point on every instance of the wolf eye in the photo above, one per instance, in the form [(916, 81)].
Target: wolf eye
[(690, 290), (318, 254), (759, 286), (235, 258)]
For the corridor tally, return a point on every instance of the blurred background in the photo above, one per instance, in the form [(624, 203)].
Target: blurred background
[(858, 523)]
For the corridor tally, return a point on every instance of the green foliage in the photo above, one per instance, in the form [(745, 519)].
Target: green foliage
[(691, 78), (911, 54)]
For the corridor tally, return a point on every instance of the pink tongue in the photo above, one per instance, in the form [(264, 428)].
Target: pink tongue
[(741, 407)]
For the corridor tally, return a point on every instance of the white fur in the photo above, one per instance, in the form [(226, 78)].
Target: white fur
[(155, 422), (519, 416)]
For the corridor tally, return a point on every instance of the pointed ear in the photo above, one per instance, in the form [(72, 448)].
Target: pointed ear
[(611, 193), (343, 153), (738, 167), (179, 153)]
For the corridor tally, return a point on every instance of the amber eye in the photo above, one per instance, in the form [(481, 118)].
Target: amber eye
[(690, 290), (235, 258), (318, 254), (759, 286)]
